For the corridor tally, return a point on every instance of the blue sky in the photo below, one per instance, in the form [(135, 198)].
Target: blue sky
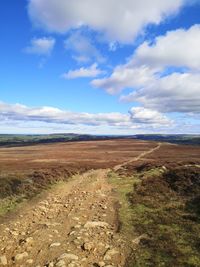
[(103, 67)]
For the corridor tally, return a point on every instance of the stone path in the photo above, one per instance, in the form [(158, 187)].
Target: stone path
[(75, 225)]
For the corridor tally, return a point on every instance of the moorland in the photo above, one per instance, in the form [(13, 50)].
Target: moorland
[(116, 202)]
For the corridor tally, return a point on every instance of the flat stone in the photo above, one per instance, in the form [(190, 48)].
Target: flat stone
[(88, 246), (102, 264), (110, 253), (96, 224), (21, 256), (55, 245), (14, 233), (29, 240), (60, 263), (75, 219), (3, 260), (30, 261), (68, 256)]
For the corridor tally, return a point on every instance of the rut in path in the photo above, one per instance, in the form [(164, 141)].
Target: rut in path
[(74, 225)]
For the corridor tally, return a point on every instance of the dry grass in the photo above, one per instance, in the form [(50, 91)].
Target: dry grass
[(73, 155)]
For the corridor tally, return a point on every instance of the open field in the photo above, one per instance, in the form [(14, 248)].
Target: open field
[(109, 203), (26, 171), (187, 139), (9, 140), (72, 155)]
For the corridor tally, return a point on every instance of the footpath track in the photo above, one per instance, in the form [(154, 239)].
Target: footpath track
[(74, 225)]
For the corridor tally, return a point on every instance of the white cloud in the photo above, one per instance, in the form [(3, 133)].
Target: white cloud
[(163, 76), (148, 116), (137, 118), (82, 48), (117, 20), (55, 115), (178, 92), (89, 72), (41, 46), (177, 48), (125, 76)]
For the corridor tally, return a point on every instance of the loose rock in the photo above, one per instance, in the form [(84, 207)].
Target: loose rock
[(60, 263), (30, 261), (88, 246), (55, 245), (3, 261), (68, 256), (96, 224), (21, 256), (110, 253)]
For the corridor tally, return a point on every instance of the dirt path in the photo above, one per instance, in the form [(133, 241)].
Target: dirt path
[(75, 225), (142, 155)]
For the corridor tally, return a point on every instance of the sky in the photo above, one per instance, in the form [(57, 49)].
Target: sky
[(100, 67)]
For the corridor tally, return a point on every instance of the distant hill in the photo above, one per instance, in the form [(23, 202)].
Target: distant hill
[(21, 140), (173, 138)]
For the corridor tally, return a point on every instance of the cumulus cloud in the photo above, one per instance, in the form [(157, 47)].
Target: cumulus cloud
[(55, 115), (148, 116), (41, 46), (125, 76), (178, 92), (136, 118), (82, 48), (123, 25), (91, 71), (177, 48), (162, 75)]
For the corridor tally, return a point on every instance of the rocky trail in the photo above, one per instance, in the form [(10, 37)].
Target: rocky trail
[(74, 224)]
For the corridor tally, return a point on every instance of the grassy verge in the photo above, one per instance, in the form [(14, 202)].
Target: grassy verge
[(123, 186), (164, 209), (10, 203)]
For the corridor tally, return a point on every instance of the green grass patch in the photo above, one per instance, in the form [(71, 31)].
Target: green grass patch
[(123, 186), (10, 203), (162, 213), (163, 207)]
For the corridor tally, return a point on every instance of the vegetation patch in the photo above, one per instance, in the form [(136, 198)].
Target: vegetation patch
[(10, 203), (165, 209), (14, 187), (123, 186)]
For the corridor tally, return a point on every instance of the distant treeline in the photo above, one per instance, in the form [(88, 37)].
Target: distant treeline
[(176, 139), (22, 140)]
